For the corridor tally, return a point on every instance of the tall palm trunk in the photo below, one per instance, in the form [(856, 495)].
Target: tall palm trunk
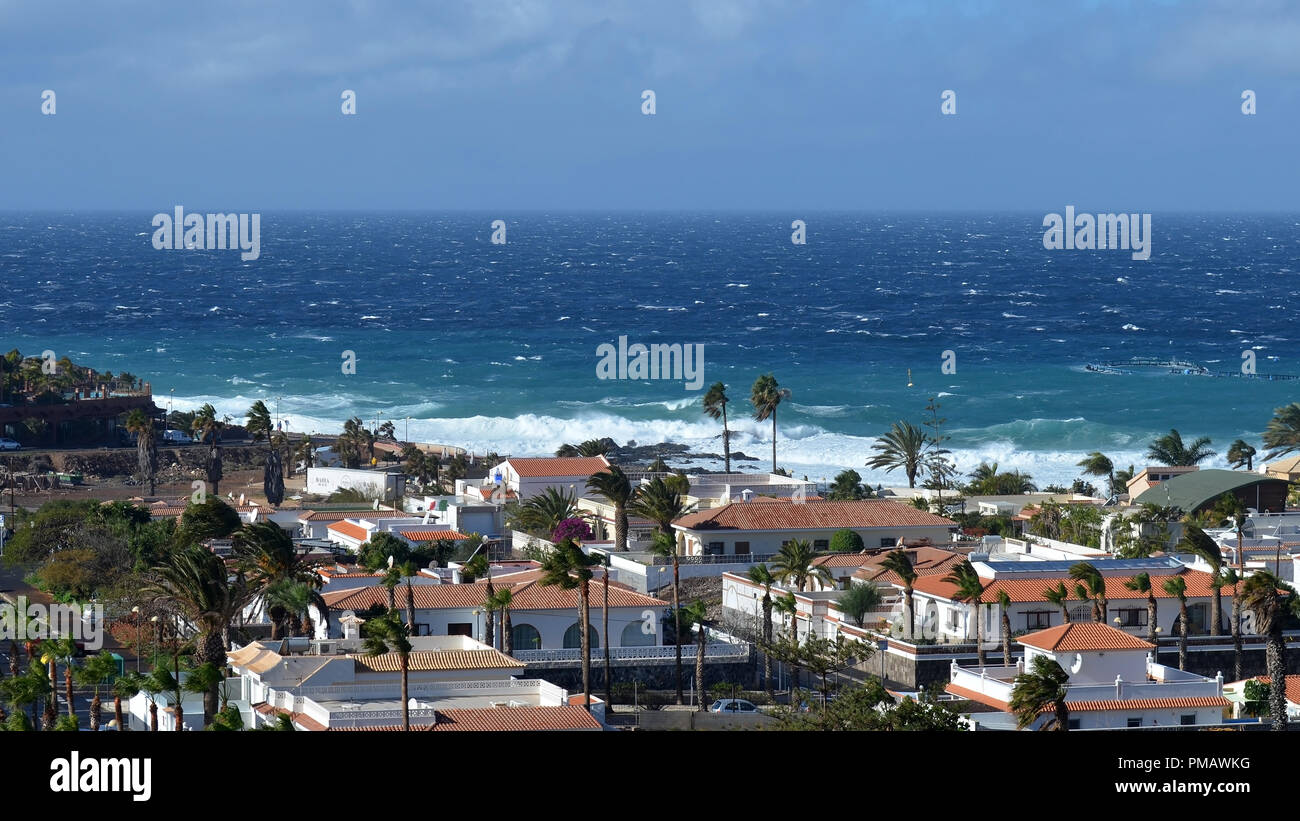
[(726, 441), (979, 632), (1062, 715), (67, 688), (1006, 637), (604, 628), (794, 645), (117, 713), (410, 607), (701, 641), (95, 706), (507, 633), (767, 642), (908, 612), (1276, 658), (406, 701), (1216, 608), (585, 619), (51, 713), (153, 716), (774, 440), (677, 624), (1236, 634), (1152, 636), (620, 527), (392, 597), (1182, 635), (1065, 614)]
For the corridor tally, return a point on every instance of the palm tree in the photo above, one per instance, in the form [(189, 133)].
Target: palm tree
[(786, 605), (662, 504), (25, 691), (847, 487), (903, 447), (480, 567), (794, 564), (1196, 542), (268, 557), (613, 484), (500, 601), (207, 428), (1060, 597), (544, 512), (1093, 585), (898, 562), (568, 568), (305, 452), (1177, 587), (146, 444), (760, 575), (858, 601), (696, 614), (387, 634), (1241, 453), (1097, 464), (1230, 577), (1170, 450), (349, 443), (97, 669), (1283, 433), (125, 686), (1141, 583), (260, 427), (765, 396), (969, 589), (1262, 594), (195, 581), (715, 406), (1004, 607), (1044, 687)]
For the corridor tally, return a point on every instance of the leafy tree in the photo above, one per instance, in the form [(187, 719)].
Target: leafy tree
[(1256, 697), (210, 519), (1241, 454), (766, 395), (387, 634), (847, 487), (902, 448), (1042, 688), (846, 541), (1170, 450), (858, 601), (715, 406)]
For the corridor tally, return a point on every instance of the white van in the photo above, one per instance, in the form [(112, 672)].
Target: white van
[(178, 437)]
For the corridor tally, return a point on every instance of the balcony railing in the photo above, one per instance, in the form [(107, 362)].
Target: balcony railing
[(711, 651), (546, 691)]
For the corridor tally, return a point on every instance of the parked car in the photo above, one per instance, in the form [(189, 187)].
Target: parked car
[(732, 705), (178, 437), (9, 444)]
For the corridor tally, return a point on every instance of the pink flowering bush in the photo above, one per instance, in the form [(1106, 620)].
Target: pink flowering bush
[(574, 529)]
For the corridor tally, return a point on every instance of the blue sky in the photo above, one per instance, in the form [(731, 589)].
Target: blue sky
[(536, 105)]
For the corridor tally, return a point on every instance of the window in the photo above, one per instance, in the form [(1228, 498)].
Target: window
[(821, 544), (1083, 613), (1198, 615), (954, 618), (742, 548), (573, 636), (1073, 723), (1136, 617), (460, 629), (525, 637), (888, 541), (716, 549), (1187, 719), (785, 542), (635, 635), (1038, 619), (1135, 722)]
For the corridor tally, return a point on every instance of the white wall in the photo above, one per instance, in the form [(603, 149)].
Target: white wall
[(551, 624), (767, 542)]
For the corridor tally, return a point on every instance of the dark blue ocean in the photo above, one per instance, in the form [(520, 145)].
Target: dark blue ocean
[(493, 347)]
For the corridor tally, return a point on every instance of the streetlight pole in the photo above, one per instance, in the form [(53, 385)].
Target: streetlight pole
[(139, 626)]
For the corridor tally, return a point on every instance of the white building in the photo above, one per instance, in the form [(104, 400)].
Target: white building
[(531, 477), (1113, 683), (388, 485), (758, 528)]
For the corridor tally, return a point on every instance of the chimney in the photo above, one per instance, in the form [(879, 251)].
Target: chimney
[(746, 495)]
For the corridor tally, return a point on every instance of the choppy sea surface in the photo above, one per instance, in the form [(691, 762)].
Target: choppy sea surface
[(494, 347)]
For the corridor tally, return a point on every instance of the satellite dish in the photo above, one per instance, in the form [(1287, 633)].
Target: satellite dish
[(390, 562), (1077, 664)]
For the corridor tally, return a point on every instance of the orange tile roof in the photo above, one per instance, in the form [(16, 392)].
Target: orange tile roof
[(926, 561), (433, 535), (811, 516), (301, 719), (529, 595), (1099, 706), (499, 719), (339, 515), (844, 560), (436, 660), (350, 530), (575, 466), (1083, 636), (1031, 590)]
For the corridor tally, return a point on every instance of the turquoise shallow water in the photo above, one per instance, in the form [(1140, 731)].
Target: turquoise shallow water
[(495, 346)]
